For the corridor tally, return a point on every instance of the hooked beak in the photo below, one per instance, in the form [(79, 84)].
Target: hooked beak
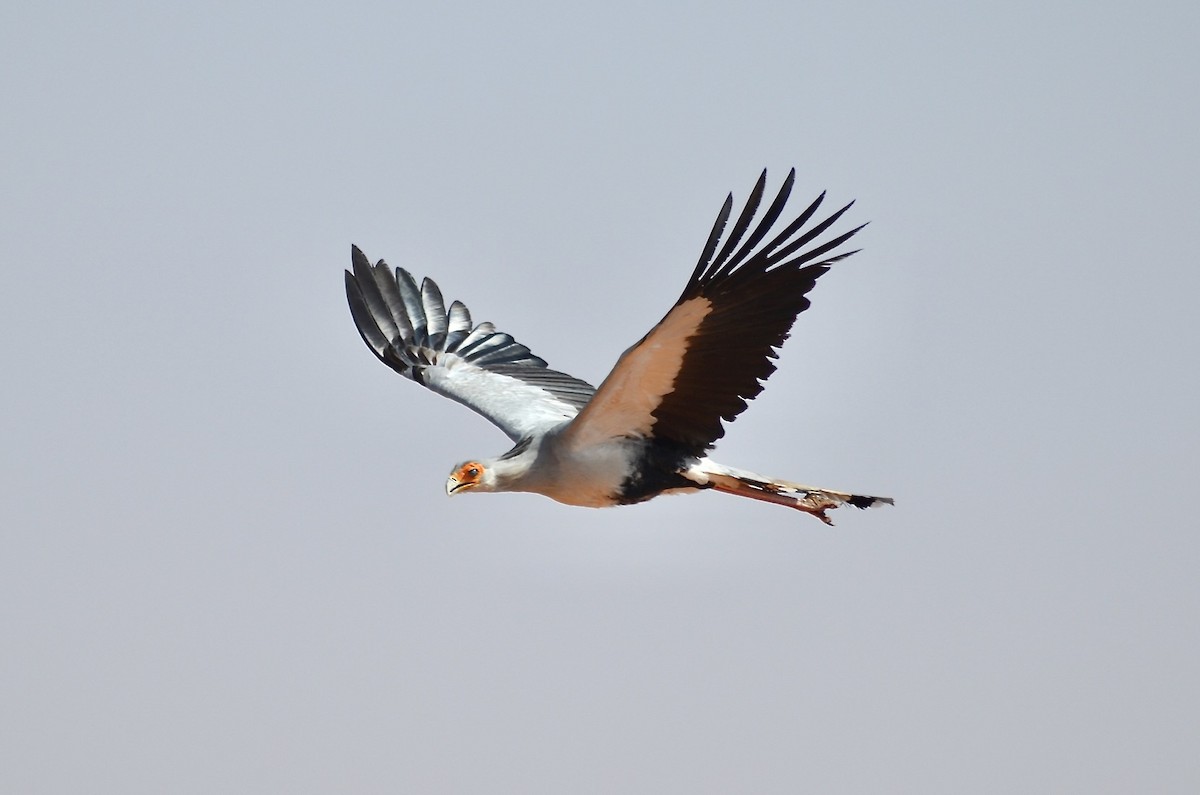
[(452, 485)]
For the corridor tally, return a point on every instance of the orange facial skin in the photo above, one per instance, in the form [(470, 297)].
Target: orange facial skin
[(465, 477)]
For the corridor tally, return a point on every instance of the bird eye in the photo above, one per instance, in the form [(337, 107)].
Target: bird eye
[(473, 472)]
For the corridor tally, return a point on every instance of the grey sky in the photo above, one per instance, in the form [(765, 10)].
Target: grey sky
[(228, 564)]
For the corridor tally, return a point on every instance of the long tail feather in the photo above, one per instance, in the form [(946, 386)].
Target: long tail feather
[(810, 499)]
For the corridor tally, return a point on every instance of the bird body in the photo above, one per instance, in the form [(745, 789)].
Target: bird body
[(648, 428), (590, 476)]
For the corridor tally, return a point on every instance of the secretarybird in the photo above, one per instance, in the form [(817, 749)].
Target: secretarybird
[(647, 429)]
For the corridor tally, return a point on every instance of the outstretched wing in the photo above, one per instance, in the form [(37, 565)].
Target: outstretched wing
[(411, 331), (713, 350)]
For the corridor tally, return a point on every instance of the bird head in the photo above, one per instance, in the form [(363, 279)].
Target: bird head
[(467, 476)]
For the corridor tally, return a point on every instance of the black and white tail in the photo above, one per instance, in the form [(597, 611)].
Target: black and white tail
[(810, 499)]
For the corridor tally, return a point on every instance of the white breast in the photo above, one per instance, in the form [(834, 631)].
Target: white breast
[(588, 476)]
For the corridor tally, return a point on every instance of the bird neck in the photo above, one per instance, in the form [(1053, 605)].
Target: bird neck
[(511, 473)]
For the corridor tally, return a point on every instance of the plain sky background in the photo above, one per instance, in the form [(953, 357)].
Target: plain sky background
[(227, 561)]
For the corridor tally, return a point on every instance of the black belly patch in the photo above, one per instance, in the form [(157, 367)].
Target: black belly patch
[(656, 470)]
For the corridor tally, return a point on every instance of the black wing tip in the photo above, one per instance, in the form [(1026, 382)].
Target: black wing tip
[(783, 250), (360, 266), (360, 263), (840, 257), (358, 258), (788, 182)]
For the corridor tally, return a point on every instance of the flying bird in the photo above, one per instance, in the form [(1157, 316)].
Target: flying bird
[(648, 428)]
